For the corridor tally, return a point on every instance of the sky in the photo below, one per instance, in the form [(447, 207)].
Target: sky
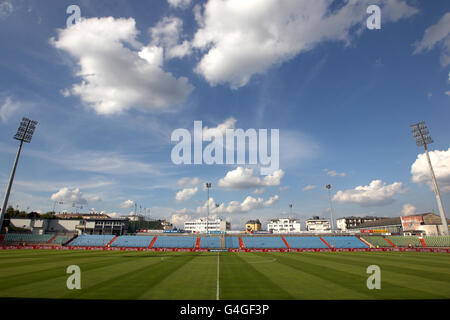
[(110, 87)]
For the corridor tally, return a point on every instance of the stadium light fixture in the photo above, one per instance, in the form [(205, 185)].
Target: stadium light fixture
[(328, 186), (422, 136), (24, 134)]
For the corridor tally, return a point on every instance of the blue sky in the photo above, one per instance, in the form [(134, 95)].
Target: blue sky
[(342, 96)]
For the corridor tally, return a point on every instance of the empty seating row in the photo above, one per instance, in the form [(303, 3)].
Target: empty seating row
[(27, 237), (61, 239), (91, 240), (232, 243), (405, 241), (264, 243), (305, 242), (377, 241), (437, 241), (132, 241), (175, 242), (345, 242), (210, 242)]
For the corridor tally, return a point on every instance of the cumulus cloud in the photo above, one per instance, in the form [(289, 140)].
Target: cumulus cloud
[(247, 205), (334, 173), (244, 38), (308, 187), (183, 4), (408, 210), (437, 34), (166, 34), (126, 204), (219, 129), (188, 181), (377, 193), (245, 178), (440, 160), (117, 72), (74, 196), (179, 218), (185, 194)]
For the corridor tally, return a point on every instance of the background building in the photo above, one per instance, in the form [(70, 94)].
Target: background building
[(253, 225), (201, 225), (318, 225), (345, 223), (284, 225)]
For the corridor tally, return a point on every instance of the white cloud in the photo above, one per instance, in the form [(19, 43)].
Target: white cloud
[(243, 38), (259, 190), (6, 8), (178, 219), (334, 173), (245, 178), (117, 72), (309, 187), (188, 181), (441, 165), (8, 108), (185, 194), (247, 205), (437, 33), (113, 214), (377, 193), (408, 210), (166, 34), (126, 204), (74, 196), (447, 93), (183, 4)]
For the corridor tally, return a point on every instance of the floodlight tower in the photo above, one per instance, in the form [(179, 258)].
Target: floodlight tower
[(328, 186), (24, 134), (208, 186), (290, 210), (422, 136)]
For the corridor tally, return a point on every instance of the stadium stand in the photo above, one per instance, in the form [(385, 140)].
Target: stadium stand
[(132, 241), (263, 242), (26, 237), (61, 239), (405, 241), (377, 241), (437, 241), (345, 242), (305, 242), (86, 240), (210, 242), (232, 242), (175, 242)]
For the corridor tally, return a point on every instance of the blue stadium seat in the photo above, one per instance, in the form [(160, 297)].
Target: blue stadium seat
[(305, 242), (91, 240), (210, 242), (264, 242), (175, 242), (232, 243), (345, 242), (132, 241)]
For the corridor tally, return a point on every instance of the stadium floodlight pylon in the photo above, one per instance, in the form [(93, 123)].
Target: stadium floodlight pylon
[(24, 134), (422, 136), (208, 186), (328, 186)]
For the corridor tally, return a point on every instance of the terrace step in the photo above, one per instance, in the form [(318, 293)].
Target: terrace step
[(366, 242), (389, 241), (112, 240), (51, 240), (197, 244), (153, 242), (423, 242), (285, 242), (328, 245), (241, 243)]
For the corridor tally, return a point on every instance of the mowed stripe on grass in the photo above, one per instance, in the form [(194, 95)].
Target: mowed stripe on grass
[(258, 276)]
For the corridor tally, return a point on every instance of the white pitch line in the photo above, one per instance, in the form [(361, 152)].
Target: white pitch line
[(218, 283)]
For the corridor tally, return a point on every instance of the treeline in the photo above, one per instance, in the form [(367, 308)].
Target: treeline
[(14, 213)]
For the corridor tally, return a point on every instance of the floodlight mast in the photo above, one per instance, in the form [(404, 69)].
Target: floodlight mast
[(328, 186), (208, 186), (422, 137), (24, 134)]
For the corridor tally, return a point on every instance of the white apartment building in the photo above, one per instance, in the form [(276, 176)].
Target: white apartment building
[(283, 225), (202, 225), (317, 224)]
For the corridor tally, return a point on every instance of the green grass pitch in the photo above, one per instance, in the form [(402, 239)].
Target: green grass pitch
[(208, 276)]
